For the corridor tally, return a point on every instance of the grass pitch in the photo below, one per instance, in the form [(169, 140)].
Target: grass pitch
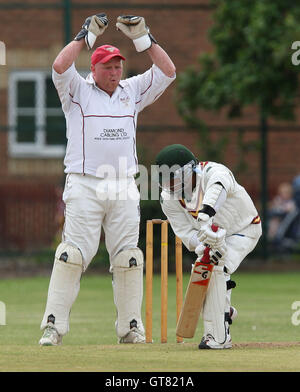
[(266, 336)]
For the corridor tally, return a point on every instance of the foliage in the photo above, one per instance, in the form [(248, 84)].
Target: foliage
[(250, 65)]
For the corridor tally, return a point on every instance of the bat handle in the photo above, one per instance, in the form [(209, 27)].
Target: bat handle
[(206, 258), (214, 227)]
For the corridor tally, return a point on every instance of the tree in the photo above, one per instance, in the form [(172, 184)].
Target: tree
[(250, 65)]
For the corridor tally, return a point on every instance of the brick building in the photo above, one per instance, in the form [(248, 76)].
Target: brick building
[(32, 136)]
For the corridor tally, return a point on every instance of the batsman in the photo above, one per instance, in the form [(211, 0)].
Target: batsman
[(215, 217)]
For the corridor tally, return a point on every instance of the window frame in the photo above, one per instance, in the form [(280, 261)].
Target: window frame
[(38, 148)]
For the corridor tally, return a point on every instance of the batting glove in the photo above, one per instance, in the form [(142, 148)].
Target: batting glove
[(211, 238), (202, 217), (134, 27), (217, 255), (93, 27), (200, 251), (204, 222)]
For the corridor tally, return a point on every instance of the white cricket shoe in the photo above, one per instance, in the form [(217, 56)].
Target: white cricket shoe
[(50, 336), (133, 336), (208, 342)]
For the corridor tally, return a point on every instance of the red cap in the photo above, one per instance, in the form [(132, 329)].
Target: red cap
[(104, 53)]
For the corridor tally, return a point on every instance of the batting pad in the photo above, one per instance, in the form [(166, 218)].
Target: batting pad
[(64, 287), (127, 269), (215, 305)]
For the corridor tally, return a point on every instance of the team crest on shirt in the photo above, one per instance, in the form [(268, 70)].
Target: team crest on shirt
[(125, 99)]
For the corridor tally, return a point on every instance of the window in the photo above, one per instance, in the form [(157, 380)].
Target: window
[(36, 120)]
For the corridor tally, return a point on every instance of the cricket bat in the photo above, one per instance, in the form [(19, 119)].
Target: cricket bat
[(195, 295)]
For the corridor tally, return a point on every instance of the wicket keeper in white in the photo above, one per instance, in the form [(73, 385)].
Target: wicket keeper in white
[(101, 115), (194, 196)]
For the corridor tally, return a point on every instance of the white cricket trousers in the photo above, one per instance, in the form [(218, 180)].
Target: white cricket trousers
[(92, 204)]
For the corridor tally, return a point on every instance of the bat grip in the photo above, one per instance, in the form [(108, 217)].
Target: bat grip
[(214, 227), (206, 258)]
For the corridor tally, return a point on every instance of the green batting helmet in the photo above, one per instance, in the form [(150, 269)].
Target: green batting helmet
[(176, 167), (175, 154)]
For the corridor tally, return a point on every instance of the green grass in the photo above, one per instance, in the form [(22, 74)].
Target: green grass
[(264, 337)]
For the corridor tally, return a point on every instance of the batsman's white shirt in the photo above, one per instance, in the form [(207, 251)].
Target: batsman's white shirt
[(101, 130), (237, 215)]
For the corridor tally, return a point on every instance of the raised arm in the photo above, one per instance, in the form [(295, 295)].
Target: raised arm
[(67, 56), (92, 27), (160, 58), (134, 27)]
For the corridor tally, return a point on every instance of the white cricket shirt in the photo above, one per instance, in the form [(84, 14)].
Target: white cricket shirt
[(101, 130), (236, 215)]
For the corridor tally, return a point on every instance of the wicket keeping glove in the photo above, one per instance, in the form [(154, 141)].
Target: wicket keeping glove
[(93, 26), (134, 27)]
